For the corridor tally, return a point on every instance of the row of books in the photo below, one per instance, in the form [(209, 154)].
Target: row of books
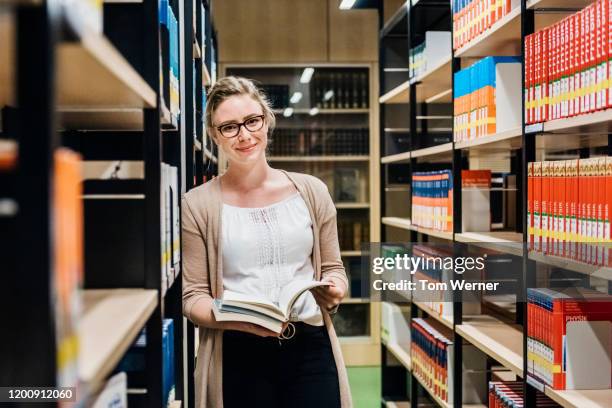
[(569, 338), (568, 206), (134, 364), (509, 394), (352, 233), (432, 200), (340, 90), (68, 267), (278, 95), (171, 225), (169, 22), (476, 97), (429, 53), (432, 352), (473, 17), (567, 67), (333, 141)]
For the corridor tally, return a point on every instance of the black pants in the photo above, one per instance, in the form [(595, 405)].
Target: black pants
[(297, 373)]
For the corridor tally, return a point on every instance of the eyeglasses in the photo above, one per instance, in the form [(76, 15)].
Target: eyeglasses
[(252, 124)]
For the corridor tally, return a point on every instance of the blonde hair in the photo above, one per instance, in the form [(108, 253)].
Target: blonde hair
[(234, 85)]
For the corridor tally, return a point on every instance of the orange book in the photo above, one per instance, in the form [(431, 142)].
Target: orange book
[(573, 215), (537, 210), (561, 206), (591, 209), (530, 230), (546, 206), (600, 200), (607, 209)]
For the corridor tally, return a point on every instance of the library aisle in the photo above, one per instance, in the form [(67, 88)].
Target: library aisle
[(466, 146)]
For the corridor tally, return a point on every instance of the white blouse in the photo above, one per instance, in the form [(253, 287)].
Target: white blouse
[(265, 248)]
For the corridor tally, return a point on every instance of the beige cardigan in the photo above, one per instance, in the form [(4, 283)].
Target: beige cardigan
[(202, 277)]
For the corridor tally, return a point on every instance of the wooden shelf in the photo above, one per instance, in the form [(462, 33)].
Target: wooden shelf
[(434, 82), (7, 68), (175, 404), (581, 398), (402, 355), (399, 94), (434, 233), (503, 241), (572, 265), (91, 73), (396, 158), (350, 253), (433, 314), (206, 79), (503, 141), (111, 321), (397, 404), (197, 145), (442, 149), (397, 222), (558, 4), (501, 341), (352, 206), (208, 154), (346, 158), (197, 52), (589, 123), (503, 38)]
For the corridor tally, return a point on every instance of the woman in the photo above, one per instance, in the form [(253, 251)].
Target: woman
[(252, 230)]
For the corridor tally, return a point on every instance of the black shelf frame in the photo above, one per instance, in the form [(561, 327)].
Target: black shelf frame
[(525, 153), (33, 125)]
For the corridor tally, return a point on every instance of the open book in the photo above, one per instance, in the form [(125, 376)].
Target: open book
[(238, 307)]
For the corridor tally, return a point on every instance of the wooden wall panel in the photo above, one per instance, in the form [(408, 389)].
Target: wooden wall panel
[(271, 30), (287, 31), (353, 34)]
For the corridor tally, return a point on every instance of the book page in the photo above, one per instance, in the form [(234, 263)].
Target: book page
[(292, 291), (236, 297)]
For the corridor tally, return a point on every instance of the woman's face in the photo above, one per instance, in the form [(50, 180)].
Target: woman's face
[(242, 116)]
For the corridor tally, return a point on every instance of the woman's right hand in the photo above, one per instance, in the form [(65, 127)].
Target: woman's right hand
[(250, 328)]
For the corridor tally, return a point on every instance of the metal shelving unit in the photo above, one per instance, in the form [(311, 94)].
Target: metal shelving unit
[(502, 337), (98, 94)]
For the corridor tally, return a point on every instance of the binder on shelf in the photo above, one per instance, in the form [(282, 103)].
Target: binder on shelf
[(432, 200), (567, 333)]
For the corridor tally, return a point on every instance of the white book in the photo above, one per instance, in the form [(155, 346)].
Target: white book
[(240, 307)]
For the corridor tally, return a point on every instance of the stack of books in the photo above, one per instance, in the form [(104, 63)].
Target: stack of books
[(340, 89), (568, 67), (479, 89), (473, 17), (432, 200), (352, 233), (305, 141), (509, 394), (568, 208), (432, 353), (569, 338), (168, 21)]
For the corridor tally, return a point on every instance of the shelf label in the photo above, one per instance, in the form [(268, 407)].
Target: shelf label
[(535, 128)]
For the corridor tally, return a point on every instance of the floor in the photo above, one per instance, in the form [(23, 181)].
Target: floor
[(365, 386)]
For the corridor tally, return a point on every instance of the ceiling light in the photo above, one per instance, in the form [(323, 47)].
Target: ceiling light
[(288, 112), (346, 4), (313, 111), (296, 97), (306, 75), (328, 95)]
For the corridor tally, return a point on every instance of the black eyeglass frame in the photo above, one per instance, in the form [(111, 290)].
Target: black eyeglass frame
[(263, 120)]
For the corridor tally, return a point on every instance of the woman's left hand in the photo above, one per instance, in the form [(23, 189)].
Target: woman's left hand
[(328, 297)]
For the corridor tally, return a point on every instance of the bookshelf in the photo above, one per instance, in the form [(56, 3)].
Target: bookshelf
[(499, 329), (329, 132), (99, 103)]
